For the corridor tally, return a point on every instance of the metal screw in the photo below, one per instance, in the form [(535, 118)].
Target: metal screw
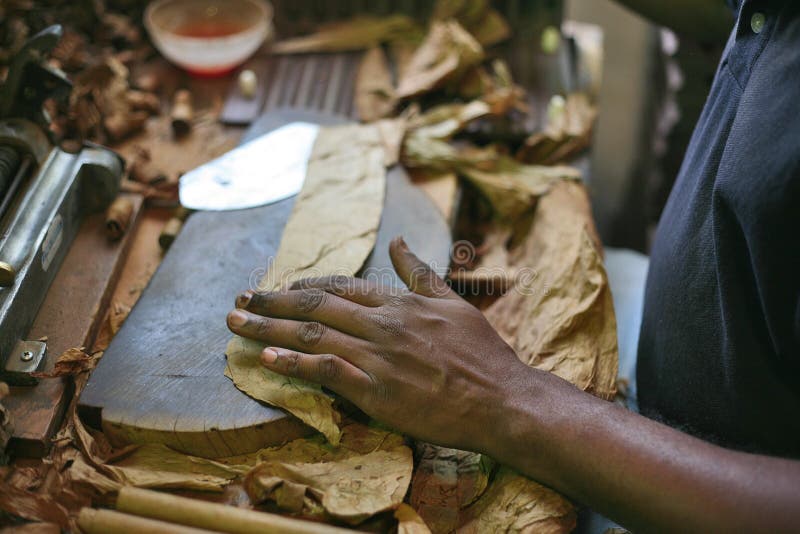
[(26, 356)]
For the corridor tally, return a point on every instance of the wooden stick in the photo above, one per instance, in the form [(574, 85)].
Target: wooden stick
[(213, 516), (94, 521)]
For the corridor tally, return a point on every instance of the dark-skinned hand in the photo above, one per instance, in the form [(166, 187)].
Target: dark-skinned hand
[(423, 360)]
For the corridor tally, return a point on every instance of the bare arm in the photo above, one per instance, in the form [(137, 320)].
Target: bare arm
[(429, 364), (706, 21), (641, 473)]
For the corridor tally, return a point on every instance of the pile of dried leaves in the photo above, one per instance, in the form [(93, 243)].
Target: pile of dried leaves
[(98, 46)]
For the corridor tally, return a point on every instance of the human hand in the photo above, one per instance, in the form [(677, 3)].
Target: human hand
[(423, 360)]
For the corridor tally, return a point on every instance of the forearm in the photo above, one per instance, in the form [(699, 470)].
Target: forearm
[(637, 471), (704, 20)]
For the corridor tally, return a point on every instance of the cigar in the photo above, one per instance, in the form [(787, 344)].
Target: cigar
[(212, 516), (181, 113), (173, 227), (118, 217), (94, 521)]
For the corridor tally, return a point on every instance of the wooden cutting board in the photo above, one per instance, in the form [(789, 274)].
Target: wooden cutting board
[(161, 379)]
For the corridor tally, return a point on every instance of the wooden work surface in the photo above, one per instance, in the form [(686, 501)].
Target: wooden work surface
[(161, 379)]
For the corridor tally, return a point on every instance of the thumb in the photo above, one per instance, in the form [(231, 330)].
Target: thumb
[(416, 274)]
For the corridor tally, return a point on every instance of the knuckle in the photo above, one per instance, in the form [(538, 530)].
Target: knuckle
[(261, 300), (311, 299), (262, 327), (310, 333), (387, 322), (291, 363), (327, 367)]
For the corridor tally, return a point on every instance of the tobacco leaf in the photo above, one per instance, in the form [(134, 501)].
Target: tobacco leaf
[(31, 506), (561, 317), (568, 131), (71, 362), (445, 482), (322, 237), (302, 399), (155, 465), (374, 92), (447, 52), (409, 522), (444, 121), (486, 24), (158, 466), (514, 503), (512, 187), (32, 528), (358, 33), (351, 489)]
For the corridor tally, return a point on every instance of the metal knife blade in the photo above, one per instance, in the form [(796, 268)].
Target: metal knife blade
[(265, 170)]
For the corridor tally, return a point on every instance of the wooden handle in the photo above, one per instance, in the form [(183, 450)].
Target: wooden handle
[(212, 516), (94, 521)]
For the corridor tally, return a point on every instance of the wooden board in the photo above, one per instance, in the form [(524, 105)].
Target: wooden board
[(69, 317), (161, 379)]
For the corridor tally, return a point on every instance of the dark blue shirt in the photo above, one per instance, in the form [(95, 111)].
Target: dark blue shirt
[(719, 350)]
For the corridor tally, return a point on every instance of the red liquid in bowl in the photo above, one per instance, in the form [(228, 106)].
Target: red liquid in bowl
[(205, 29), (210, 30)]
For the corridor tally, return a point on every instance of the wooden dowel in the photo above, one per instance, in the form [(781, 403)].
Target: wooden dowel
[(213, 516), (94, 521)]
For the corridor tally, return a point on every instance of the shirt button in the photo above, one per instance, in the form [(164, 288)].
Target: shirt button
[(757, 22)]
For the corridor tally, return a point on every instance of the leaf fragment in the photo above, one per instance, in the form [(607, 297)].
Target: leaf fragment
[(374, 92), (359, 33), (351, 489), (447, 52)]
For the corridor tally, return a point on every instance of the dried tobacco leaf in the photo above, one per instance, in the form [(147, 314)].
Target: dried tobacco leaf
[(511, 187), (445, 482), (567, 133), (155, 465), (477, 16), (72, 362), (342, 179), (409, 522), (31, 506), (374, 92), (447, 52), (562, 319), (304, 400), (444, 121), (514, 503), (358, 33), (351, 489)]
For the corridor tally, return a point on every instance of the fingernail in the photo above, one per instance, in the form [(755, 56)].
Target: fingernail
[(401, 242), (268, 356), (237, 318), (244, 299)]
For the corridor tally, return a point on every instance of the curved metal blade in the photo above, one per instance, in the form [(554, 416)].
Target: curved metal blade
[(267, 169)]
